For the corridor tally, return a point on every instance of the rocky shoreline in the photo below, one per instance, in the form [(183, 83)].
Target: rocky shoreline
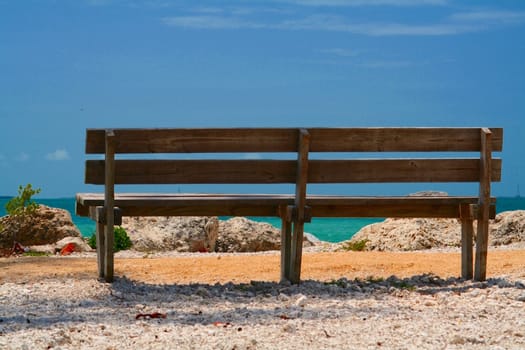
[(53, 229), (420, 233)]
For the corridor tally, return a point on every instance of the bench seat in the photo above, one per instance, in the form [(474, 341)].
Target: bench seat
[(189, 204)]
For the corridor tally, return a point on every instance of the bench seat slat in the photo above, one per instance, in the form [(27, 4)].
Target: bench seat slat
[(285, 140), (284, 171), (267, 205)]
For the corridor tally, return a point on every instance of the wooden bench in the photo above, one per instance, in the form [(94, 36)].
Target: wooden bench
[(472, 162)]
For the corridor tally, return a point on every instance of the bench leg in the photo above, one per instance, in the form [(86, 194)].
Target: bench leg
[(286, 246), (467, 229), (101, 250), (297, 252), (482, 238), (108, 253)]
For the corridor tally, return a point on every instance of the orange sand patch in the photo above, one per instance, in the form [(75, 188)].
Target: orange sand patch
[(244, 268)]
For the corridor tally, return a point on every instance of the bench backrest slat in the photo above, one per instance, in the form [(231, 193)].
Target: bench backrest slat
[(259, 171), (286, 140), (401, 140), (399, 170), (195, 140)]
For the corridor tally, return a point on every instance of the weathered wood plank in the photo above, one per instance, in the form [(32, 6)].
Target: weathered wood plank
[(482, 236), (397, 170), (405, 210), (195, 171), (300, 203), (284, 171), (182, 204), (93, 199), (400, 139), (101, 249), (109, 204), (286, 243), (320, 200), (270, 209), (201, 210), (284, 140), (467, 230), (196, 140), (96, 198), (267, 205), (80, 208)]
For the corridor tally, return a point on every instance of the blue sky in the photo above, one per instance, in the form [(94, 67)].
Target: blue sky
[(70, 65)]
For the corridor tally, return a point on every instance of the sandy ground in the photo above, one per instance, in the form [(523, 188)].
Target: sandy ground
[(242, 268), (173, 301)]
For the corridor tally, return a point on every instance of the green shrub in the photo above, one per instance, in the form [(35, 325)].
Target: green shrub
[(357, 246), (21, 208), (92, 241), (23, 205), (121, 240)]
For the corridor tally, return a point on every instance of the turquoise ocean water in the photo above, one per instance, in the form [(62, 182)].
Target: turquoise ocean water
[(326, 229)]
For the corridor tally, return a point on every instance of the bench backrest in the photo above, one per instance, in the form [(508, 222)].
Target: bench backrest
[(304, 142)]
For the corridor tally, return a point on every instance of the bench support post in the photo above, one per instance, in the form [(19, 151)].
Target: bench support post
[(480, 272), (286, 241), (467, 229), (98, 214), (101, 249), (109, 205), (300, 204)]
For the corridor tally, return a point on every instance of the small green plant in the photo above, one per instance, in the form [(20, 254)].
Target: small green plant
[(23, 205), (357, 246), (121, 240)]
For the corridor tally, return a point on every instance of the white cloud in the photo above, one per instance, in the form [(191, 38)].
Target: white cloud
[(211, 22), (388, 64), (208, 10), (342, 52), (22, 157), (366, 2), (322, 23), (313, 3), (133, 3), (339, 24), (99, 2), (493, 17), (398, 29), (59, 154), (216, 18)]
